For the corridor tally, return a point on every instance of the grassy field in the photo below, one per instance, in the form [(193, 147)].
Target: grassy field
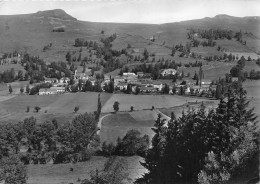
[(117, 125), (61, 174), (52, 106), (145, 102), (253, 93)]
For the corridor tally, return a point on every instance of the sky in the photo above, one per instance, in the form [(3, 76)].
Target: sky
[(136, 11)]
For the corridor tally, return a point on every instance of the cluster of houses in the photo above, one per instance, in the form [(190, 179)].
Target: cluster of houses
[(140, 80)]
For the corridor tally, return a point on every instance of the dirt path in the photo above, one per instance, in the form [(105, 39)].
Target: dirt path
[(100, 122)]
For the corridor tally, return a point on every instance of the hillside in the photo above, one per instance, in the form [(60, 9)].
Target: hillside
[(31, 32)]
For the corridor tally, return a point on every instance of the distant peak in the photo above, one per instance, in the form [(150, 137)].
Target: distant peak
[(223, 16), (56, 13)]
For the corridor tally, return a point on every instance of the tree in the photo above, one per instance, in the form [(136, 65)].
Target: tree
[(235, 71), (116, 106), (99, 106), (131, 108), (173, 51), (207, 147), (13, 170), (28, 109), (21, 89), (76, 108), (145, 54), (128, 89), (10, 89), (114, 172), (27, 89), (218, 92), (37, 108), (20, 75), (153, 156), (132, 144)]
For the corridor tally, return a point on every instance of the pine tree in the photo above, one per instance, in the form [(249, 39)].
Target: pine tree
[(153, 156)]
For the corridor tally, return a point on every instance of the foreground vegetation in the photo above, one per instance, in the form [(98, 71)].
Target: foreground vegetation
[(204, 147)]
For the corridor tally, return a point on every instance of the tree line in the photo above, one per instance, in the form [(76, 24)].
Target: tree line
[(204, 146)]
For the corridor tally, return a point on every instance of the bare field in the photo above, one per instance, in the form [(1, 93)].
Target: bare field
[(145, 102)]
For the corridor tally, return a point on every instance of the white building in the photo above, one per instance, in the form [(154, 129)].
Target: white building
[(51, 91), (128, 74), (169, 71)]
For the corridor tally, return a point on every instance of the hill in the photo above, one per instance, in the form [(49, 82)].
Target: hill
[(31, 32)]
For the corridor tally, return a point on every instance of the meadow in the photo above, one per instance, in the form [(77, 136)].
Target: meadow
[(117, 125), (145, 102), (51, 105), (61, 174)]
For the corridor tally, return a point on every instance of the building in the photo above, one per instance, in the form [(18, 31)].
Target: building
[(106, 78), (234, 79), (206, 82), (158, 85), (52, 91), (118, 79), (168, 71), (50, 80), (136, 50), (64, 80), (144, 89), (140, 74), (128, 74), (80, 75), (122, 86)]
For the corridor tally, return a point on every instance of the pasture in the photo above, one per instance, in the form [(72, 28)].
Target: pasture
[(52, 106), (145, 102), (117, 125), (61, 174), (253, 94)]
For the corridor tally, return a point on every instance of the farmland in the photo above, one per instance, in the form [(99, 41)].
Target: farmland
[(145, 102), (51, 105)]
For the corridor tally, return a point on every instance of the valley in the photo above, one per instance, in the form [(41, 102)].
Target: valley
[(88, 84)]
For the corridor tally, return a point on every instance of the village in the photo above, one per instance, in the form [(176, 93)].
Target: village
[(136, 83)]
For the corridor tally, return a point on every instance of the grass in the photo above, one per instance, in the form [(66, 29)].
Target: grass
[(52, 106), (61, 174), (253, 91), (144, 102), (117, 125)]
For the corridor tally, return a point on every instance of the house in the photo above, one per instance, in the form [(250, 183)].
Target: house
[(106, 78), (187, 91), (168, 71), (64, 80), (140, 74), (206, 82), (122, 86), (50, 80), (234, 79), (118, 79), (131, 79), (47, 91), (128, 74), (58, 89), (144, 89), (158, 85), (80, 75), (136, 50), (92, 80)]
